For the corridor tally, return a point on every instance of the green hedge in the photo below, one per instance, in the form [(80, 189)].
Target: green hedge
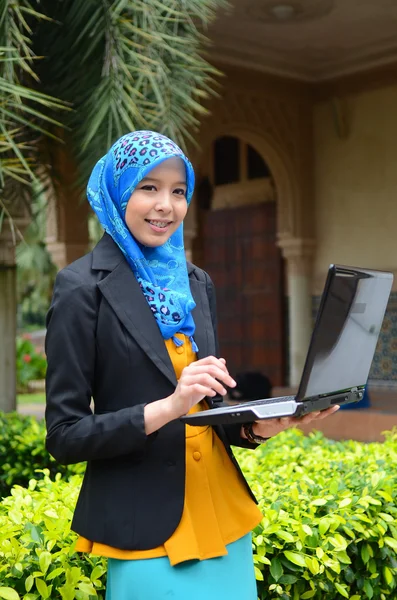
[(22, 452), (330, 517), (329, 529), (37, 558)]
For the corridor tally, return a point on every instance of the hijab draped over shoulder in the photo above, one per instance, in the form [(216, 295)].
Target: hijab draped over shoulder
[(161, 271)]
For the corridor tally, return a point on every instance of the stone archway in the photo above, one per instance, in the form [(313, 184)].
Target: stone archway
[(281, 167), (280, 131), (236, 243)]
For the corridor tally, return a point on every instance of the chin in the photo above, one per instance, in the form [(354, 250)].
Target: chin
[(153, 243)]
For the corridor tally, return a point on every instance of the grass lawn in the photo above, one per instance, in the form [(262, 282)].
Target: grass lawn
[(31, 398)]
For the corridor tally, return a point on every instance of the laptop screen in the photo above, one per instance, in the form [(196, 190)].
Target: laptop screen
[(345, 337)]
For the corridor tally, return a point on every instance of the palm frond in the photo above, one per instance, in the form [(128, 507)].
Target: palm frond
[(128, 64), (25, 113), (120, 64)]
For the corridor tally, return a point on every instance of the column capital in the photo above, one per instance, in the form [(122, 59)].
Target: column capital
[(292, 247), (62, 254), (9, 238), (16, 219), (298, 252)]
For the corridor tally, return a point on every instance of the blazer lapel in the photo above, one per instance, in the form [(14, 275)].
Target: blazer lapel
[(122, 291), (204, 334)]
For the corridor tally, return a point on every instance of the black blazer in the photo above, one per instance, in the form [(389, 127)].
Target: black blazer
[(103, 342)]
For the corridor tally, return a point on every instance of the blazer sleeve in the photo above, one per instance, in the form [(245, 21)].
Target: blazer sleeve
[(232, 431), (74, 433)]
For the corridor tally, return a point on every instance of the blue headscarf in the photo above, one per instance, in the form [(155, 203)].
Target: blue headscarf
[(161, 272)]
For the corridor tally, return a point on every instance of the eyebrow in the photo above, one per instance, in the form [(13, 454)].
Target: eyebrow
[(160, 181)]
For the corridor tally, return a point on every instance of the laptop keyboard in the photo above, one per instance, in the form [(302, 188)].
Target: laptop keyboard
[(268, 401)]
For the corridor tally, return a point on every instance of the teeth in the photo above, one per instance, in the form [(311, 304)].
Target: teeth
[(158, 223)]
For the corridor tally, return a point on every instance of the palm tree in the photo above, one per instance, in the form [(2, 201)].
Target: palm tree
[(77, 74), (87, 72)]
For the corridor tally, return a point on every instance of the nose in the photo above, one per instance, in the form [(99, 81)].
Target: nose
[(164, 203)]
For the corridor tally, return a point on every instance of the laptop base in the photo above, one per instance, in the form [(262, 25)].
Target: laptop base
[(271, 408)]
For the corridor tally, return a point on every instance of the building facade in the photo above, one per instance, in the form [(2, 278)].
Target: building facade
[(296, 169)]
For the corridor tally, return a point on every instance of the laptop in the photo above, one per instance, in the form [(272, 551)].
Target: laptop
[(342, 347)]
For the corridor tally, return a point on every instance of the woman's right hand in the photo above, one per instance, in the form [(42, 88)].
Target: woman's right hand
[(204, 377)]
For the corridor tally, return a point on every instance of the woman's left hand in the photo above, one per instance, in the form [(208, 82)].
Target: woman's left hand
[(269, 427)]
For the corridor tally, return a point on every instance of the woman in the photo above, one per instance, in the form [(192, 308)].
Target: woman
[(132, 326)]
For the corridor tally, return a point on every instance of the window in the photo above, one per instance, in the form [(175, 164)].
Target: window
[(256, 167), (227, 160), (236, 161)]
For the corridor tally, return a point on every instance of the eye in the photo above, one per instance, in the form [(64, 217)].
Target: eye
[(148, 188), (180, 192)]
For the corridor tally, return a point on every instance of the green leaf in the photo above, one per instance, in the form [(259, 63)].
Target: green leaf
[(365, 553), (87, 588), (338, 542), (258, 574), (391, 542), (285, 535), (42, 588), (388, 575), (384, 495), (386, 517), (45, 560), (308, 594), (295, 558), (342, 590), (29, 581), (55, 573), (67, 592), (288, 579), (276, 569), (318, 502), (368, 589), (345, 502), (8, 594), (324, 525), (343, 557), (313, 565)]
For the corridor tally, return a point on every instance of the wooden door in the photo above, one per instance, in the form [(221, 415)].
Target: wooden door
[(241, 256)]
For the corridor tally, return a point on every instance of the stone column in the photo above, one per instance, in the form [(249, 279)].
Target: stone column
[(67, 230), (298, 254), (67, 214), (9, 236), (8, 324)]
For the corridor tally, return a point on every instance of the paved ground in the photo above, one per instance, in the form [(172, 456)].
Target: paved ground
[(36, 410)]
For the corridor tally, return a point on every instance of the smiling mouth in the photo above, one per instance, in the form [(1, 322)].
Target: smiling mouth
[(158, 224)]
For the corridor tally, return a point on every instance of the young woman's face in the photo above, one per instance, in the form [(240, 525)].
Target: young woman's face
[(158, 205)]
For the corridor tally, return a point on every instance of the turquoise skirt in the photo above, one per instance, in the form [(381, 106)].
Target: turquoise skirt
[(231, 576)]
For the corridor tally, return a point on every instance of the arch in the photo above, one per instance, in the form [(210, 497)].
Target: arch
[(281, 167)]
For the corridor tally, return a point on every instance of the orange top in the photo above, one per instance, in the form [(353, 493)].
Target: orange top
[(218, 509)]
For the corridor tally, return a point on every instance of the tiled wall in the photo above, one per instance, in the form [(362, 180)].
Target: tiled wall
[(384, 366)]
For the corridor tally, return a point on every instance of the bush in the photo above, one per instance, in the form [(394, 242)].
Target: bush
[(37, 558), (329, 529), (22, 451), (330, 517), (30, 363)]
